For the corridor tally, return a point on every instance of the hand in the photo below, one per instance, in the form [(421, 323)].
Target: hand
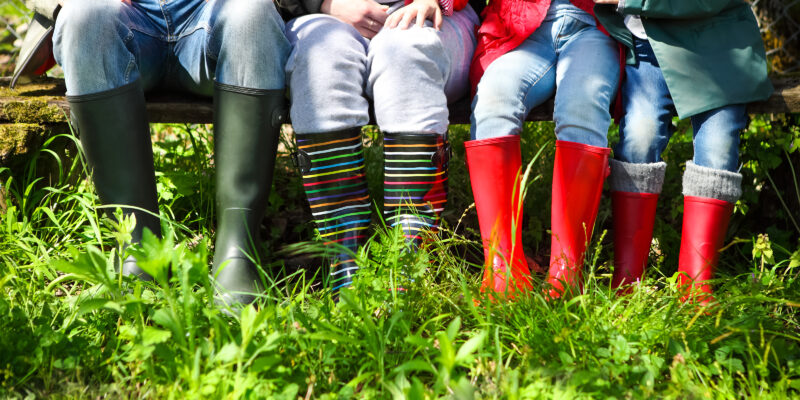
[(419, 9), (614, 2), (366, 16)]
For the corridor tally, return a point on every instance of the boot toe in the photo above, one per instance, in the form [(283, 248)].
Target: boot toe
[(131, 268), (237, 282)]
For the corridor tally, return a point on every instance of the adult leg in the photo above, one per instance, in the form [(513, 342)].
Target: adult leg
[(711, 186), (511, 86), (238, 56), (412, 74), (637, 174), (109, 55), (326, 72), (587, 78)]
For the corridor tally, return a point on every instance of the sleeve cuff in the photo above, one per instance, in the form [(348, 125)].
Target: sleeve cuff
[(447, 7)]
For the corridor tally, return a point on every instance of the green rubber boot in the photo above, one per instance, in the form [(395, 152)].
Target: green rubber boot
[(247, 126), (115, 137)]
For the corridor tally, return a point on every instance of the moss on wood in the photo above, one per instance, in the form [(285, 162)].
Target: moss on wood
[(33, 111), (19, 138)]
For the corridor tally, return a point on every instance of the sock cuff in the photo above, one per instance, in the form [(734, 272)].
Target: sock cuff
[(637, 178), (711, 183)]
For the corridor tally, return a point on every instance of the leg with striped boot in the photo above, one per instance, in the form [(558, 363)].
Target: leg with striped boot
[(415, 182), (332, 165)]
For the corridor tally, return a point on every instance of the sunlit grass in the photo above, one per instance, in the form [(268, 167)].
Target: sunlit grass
[(72, 328)]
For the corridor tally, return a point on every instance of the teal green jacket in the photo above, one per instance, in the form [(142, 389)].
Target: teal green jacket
[(710, 51)]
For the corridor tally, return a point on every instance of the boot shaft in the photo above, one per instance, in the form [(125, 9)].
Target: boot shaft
[(495, 170), (415, 182), (115, 137), (332, 165), (578, 174), (247, 126), (634, 215), (705, 223)]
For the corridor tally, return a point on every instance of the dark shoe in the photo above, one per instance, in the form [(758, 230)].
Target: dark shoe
[(332, 165), (115, 137), (247, 126)]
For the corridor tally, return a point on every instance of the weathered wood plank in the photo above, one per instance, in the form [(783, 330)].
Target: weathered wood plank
[(178, 108), (785, 99)]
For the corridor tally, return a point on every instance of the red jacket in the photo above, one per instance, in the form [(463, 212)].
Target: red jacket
[(506, 24)]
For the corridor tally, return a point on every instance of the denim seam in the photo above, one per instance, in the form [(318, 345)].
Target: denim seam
[(204, 27), (132, 59), (210, 34), (558, 35), (166, 22)]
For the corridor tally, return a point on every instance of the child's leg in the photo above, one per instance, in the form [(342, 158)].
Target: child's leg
[(710, 187), (511, 86), (514, 84), (326, 72), (412, 74), (637, 173), (587, 78)]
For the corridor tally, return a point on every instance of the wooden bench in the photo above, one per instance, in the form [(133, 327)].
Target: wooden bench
[(27, 111)]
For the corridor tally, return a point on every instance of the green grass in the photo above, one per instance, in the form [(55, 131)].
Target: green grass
[(71, 328)]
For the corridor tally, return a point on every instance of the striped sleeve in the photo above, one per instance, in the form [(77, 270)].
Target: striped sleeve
[(447, 7)]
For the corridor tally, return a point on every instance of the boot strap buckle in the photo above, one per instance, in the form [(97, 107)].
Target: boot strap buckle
[(302, 161)]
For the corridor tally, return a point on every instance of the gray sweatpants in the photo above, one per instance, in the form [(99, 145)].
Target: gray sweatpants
[(410, 75)]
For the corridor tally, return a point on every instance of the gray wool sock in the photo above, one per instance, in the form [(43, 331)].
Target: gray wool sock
[(637, 178), (711, 183)]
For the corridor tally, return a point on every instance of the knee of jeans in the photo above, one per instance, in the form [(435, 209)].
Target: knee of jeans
[(639, 138), (87, 14), (248, 18), (88, 19), (497, 97), (255, 23), (85, 26), (409, 48)]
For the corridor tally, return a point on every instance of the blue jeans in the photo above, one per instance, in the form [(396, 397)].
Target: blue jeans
[(409, 74), (173, 44), (647, 126), (567, 56)]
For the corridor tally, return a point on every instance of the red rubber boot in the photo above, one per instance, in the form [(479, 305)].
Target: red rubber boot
[(705, 222), (578, 174), (495, 170), (634, 215)]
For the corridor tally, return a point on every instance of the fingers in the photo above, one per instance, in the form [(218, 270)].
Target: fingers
[(437, 19), (421, 18), (393, 19), (376, 12), (368, 28), (404, 17)]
